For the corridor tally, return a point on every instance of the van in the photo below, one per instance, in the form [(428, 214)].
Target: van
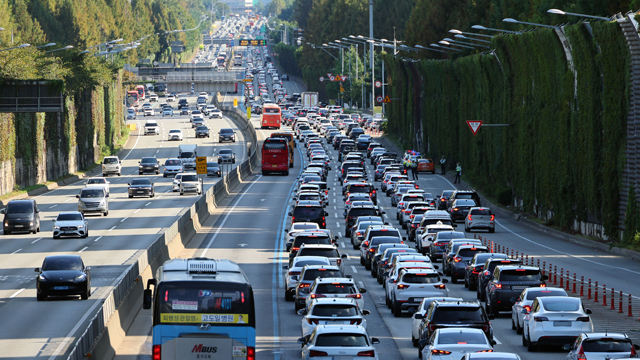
[(187, 154), (111, 165), (93, 200), (21, 215)]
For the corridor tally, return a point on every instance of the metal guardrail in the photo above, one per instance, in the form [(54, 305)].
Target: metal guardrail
[(223, 77)]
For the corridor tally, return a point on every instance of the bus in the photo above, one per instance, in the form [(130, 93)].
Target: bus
[(275, 156), (140, 90), (271, 116), (201, 307), (290, 136), (160, 89), (135, 95)]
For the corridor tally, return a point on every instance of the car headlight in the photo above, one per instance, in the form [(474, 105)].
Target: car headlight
[(102, 203), (81, 277), (42, 278), (140, 166), (56, 227), (80, 226)]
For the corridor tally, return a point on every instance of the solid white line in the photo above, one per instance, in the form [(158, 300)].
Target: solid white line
[(36, 240), (353, 268), (112, 228), (83, 249), (342, 244), (336, 214), (16, 293), (339, 234), (135, 212), (348, 258), (337, 224), (98, 238), (123, 220), (147, 204), (213, 238), (69, 200), (51, 207), (16, 251), (136, 143)]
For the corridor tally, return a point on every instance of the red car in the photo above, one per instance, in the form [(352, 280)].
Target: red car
[(426, 165)]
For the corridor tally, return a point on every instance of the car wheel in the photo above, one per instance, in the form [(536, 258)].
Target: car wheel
[(105, 214), (164, 175), (152, 195), (467, 229), (454, 279), (54, 236), (86, 234), (367, 266), (397, 311), (40, 297), (466, 282), (297, 306), (119, 174), (518, 328), (157, 172), (86, 295), (492, 230), (361, 259), (130, 196), (513, 324), (181, 193), (524, 340), (531, 346), (472, 286), (288, 296)]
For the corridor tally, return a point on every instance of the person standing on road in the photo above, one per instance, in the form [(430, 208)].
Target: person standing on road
[(443, 165), (458, 173), (414, 169)]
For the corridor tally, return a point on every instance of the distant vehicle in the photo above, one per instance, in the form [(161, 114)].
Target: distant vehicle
[(63, 275), (271, 116), (140, 90), (141, 187)]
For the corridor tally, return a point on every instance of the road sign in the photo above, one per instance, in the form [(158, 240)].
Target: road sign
[(341, 88), (344, 77), (249, 113), (201, 165), (247, 80), (474, 125), (378, 84), (387, 99), (321, 78), (338, 78), (235, 103), (247, 42), (329, 75), (332, 78), (379, 98)]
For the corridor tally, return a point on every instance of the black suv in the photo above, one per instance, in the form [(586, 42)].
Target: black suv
[(475, 267), (308, 275), (309, 211), (309, 237), (148, 164), (368, 246), (227, 135), (463, 194), (507, 283), (487, 272), (357, 211), (364, 188), (447, 314), (202, 131)]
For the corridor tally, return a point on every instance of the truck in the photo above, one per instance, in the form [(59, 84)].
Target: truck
[(187, 154), (309, 99)]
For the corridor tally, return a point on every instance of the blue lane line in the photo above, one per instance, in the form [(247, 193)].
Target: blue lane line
[(277, 264)]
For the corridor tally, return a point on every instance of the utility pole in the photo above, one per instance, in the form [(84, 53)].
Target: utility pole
[(373, 89)]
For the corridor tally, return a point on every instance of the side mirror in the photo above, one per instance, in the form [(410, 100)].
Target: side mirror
[(362, 290), (302, 341), (286, 267), (493, 342), (129, 184), (286, 230), (375, 340), (436, 267), (2, 211), (344, 256), (147, 299), (366, 312), (336, 237), (302, 312), (326, 213), (545, 277), (106, 195), (637, 347), (404, 237), (588, 311), (138, 162), (418, 316), (36, 269), (567, 347), (88, 268), (491, 317), (77, 196), (290, 213)]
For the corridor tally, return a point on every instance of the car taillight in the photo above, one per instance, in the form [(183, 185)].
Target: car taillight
[(485, 328), (347, 202), (251, 353), (366, 243), (407, 211), (294, 273), (293, 218), (417, 187), (156, 352), (356, 321), (432, 327), (414, 225), (583, 319), (443, 199), (373, 192), (469, 217), (581, 356), (358, 233), (498, 286), (411, 216), (323, 222), (540, 318), (317, 296), (369, 353), (457, 259), (455, 209), (291, 233), (313, 353), (312, 321), (355, 296), (527, 308), (633, 352), (403, 286), (485, 351), (372, 250), (543, 285), (440, 286), (486, 273), (304, 285), (295, 249), (339, 261), (493, 217), (440, 352)]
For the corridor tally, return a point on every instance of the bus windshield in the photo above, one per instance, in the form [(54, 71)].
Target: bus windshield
[(200, 302), (275, 145)]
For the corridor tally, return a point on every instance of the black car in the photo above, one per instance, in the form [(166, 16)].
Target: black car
[(285, 77), (148, 164), (309, 211), (202, 131), (443, 199), (463, 194), (185, 110), (363, 188), (63, 275), (21, 216), (227, 135), (226, 156), (475, 267), (141, 187), (355, 132), (309, 237), (357, 211), (213, 169), (487, 273), (507, 283), (447, 314), (459, 209)]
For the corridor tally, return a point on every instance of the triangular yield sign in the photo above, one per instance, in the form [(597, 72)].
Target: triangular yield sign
[(344, 77), (387, 99), (329, 75), (338, 78), (474, 125)]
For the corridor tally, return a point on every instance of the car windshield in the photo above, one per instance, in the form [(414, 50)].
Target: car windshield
[(225, 152), (97, 181), (110, 161), (450, 235), (172, 163), (201, 128), (311, 239), (533, 294), (355, 212), (212, 165), (329, 253), (462, 338), (92, 193), (561, 304), (62, 263), (520, 275), (335, 288), (312, 274), (141, 182), (148, 161), (69, 217), (468, 253), (448, 315), (226, 131), (421, 278), (607, 345), (187, 178), (465, 202), (480, 212), (303, 262), (300, 226), (335, 310), (341, 340)]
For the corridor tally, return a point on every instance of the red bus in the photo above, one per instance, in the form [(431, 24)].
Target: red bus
[(275, 156), (135, 95), (140, 90), (271, 116)]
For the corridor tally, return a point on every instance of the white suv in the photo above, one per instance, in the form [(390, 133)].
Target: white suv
[(412, 286), (335, 288), (111, 165), (190, 183), (339, 341)]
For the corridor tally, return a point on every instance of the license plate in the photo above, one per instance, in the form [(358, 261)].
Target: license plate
[(60, 288), (275, 165), (19, 225), (518, 287), (562, 323), (140, 192), (329, 322)]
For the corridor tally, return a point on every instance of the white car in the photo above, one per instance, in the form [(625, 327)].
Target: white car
[(215, 113), (98, 182), (339, 341), (175, 134), (293, 273), (171, 98), (554, 320), (167, 111), (70, 223), (189, 182), (413, 285), (297, 228), (331, 311), (176, 182), (451, 343), (524, 301), (153, 97), (597, 346), (395, 272), (344, 288), (149, 112), (419, 315)]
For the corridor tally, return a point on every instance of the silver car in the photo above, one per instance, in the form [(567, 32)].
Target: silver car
[(172, 167), (293, 272), (480, 218), (190, 183), (70, 223), (176, 182), (93, 200)]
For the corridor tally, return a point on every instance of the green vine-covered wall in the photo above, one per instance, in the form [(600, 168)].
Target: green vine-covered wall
[(562, 152)]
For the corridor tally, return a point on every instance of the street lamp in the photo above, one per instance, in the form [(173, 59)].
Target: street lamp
[(443, 42), (464, 42), (47, 45), (514, 21), (560, 12), (64, 48), (480, 27), (468, 38), (441, 47), (455, 31), (17, 47)]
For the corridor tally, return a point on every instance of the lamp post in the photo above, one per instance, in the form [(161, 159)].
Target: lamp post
[(63, 48), (480, 27), (560, 12), (458, 32), (47, 45), (16, 47), (463, 42), (438, 48), (514, 21), (444, 42), (459, 36)]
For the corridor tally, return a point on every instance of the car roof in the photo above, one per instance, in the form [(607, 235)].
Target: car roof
[(458, 304), (351, 329), (318, 246), (316, 267), (420, 271), (69, 212), (335, 279), (334, 301), (601, 335), (515, 267), (309, 258)]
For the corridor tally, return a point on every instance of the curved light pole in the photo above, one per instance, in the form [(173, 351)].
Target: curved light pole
[(444, 42), (464, 43), (442, 47), (16, 47), (458, 36), (560, 12), (514, 21), (62, 48), (480, 27), (458, 32), (47, 45)]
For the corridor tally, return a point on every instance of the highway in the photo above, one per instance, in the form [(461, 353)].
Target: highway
[(44, 329)]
